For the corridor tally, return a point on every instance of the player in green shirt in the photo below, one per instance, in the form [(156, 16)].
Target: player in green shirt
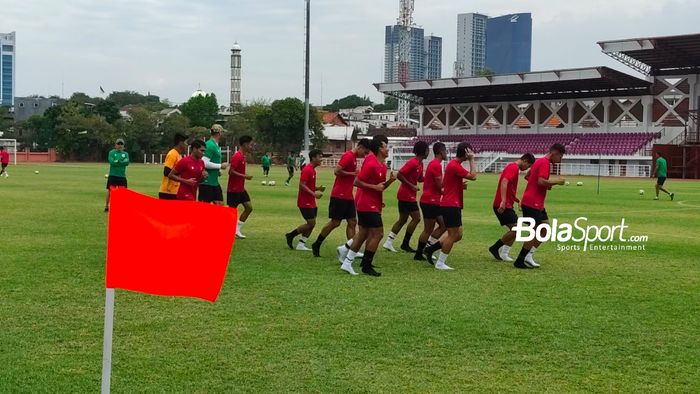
[(118, 161), (302, 161), (660, 173), (266, 161), (210, 190), (291, 163)]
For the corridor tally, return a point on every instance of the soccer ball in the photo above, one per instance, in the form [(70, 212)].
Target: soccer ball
[(641, 192), (579, 184), (264, 183), (36, 172), (272, 183), (106, 175), (567, 183)]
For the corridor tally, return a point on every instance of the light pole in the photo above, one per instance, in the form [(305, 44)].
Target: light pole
[(306, 77)]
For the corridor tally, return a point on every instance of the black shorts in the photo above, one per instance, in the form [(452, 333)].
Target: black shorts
[(540, 216), (408, 207), (167, 196), (340, 209), (309, 213), (208, 193), (234, 199), (266, 169), (4, 165), (452, 216), (661, 181), (506, 218), (430, 211), (290, 170), (370, 219), (115, 181)]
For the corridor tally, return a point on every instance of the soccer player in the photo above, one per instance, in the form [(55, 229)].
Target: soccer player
[(660, 173), (430, 202), (452, 204), (342, 205), (291, 163), (266, 161), (410, 175), (4, 161), (236, 193), (503, 205), (372, 182), (210, 190), (118, 161), (168, 187), (538, 183), (302, 161), (189, 172), (306, 201)]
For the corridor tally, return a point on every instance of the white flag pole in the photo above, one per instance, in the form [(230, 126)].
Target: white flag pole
[(107, 345)]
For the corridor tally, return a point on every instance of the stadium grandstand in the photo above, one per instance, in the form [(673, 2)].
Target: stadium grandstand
[(610, 121)]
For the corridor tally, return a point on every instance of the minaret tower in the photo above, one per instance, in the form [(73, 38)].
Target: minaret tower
[(235, 76)]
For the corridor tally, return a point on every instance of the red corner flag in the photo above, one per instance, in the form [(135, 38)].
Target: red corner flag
[(168, 248)]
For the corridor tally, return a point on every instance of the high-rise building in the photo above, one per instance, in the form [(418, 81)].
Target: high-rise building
[(509, 44), (416, 66), (433, 57), (236, 66), (502, 45), (471, 44), (7, 68)]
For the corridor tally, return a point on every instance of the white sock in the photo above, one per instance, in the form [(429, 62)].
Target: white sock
[(442, 259), (350, 257), (392, 236), (303, 239), (532, 251), (240, 225), (431, 241), (506, 249)]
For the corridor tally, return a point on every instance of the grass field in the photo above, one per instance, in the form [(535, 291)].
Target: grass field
[(286, 322)]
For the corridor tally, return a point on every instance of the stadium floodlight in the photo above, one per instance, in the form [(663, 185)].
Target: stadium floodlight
[(11, 146)]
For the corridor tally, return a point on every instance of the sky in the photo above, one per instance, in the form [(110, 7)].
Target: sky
[(172, 47)]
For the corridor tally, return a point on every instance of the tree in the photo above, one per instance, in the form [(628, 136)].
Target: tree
[(130, 98), (108, 109), (141, 132), (282, 125), (167, 128), (351, 101), (390, 104), (485, 72), (81, 137), (202, 111)]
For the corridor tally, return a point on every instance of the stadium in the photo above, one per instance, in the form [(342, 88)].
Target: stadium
[(610, 121), (614, 312)]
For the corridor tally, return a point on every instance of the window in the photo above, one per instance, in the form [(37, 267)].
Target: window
[(8, 48), (21, 105)]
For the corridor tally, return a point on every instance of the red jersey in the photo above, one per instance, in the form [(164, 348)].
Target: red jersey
[(534, 193), (189, 168), (236, 184), (308, 178), (431, 193), (453, 185), (413, 171), (374, 173), (343, 186), (4, 157), (511, 174)]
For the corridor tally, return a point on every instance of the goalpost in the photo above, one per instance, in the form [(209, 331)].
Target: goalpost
[(11, 147)]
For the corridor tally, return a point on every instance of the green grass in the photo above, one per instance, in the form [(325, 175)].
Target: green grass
[(286, 322)]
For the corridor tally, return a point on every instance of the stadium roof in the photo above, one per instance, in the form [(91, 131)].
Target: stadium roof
[(672, 55), (541, 85)]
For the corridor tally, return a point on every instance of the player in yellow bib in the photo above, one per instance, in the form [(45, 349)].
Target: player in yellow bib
[(169, 187)]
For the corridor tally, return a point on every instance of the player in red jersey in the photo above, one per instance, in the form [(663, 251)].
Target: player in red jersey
[(306, 201), (538, 183), (342, 204), (372, 181), (430, 202), (503, 205), (410, 175), (452, 203), (190, 172), (236, 193)]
